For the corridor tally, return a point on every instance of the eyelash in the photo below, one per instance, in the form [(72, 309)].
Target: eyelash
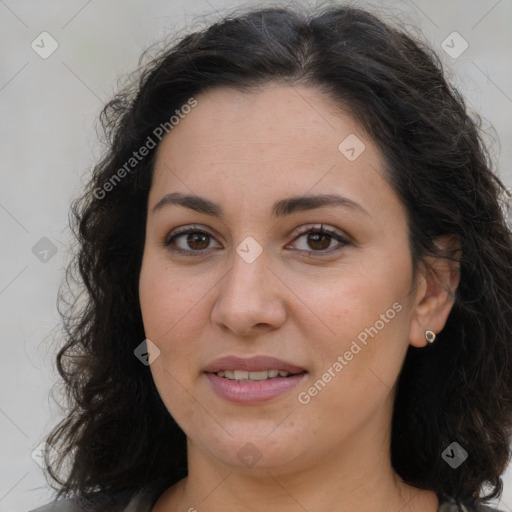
[(169, 240)]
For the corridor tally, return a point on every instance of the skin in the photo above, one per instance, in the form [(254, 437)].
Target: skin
[(244, 151)]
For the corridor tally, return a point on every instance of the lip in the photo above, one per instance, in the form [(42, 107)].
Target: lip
[(251, 364), (252, 392)]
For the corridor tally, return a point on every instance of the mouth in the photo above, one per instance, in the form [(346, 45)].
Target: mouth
[(245, 376), (260, 367), (252, 380)]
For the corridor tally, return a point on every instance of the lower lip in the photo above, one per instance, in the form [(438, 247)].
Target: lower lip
[(253, 392)]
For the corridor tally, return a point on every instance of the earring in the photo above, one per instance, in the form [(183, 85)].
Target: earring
[(430, 336)]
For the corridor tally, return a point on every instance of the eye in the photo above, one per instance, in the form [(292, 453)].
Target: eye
[(195, 241), (317, 240)]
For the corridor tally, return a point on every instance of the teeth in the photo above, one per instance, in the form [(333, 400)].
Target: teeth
[(258, 375), (261, 375)]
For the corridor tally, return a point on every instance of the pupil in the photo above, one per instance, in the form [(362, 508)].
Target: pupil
[(195, 237), (315, 238)]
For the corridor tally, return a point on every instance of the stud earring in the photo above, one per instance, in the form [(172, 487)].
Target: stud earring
[(430, 336)]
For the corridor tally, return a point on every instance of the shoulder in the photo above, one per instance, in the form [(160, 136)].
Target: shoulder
[(448, 504), (127, 501), (58, 506), (478, 507), (485, 508)]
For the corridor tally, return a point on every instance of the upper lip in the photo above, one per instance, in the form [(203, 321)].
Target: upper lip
[(251, 364)]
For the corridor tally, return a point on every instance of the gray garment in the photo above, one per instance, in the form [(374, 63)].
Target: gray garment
[(144, 500)]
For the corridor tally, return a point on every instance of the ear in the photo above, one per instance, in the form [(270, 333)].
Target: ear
[(436, 284)]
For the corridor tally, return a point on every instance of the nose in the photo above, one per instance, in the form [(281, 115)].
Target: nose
[(250, 298)]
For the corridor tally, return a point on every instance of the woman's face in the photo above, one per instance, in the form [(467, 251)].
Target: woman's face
[(251, 279)]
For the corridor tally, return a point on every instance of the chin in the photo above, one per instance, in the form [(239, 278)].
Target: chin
[(255, 449)]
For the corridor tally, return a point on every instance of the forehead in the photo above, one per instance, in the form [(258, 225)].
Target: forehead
[(272, 141), (300, 120)]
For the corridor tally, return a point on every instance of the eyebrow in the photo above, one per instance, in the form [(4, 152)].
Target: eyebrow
[(280, 208)]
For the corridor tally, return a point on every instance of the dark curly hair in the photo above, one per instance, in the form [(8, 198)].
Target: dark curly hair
[(458, 389)]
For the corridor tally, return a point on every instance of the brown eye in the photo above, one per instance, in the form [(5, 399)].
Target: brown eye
[(319, 240), (197, 241), (189, 241)]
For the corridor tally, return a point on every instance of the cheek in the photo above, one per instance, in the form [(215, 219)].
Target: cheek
[(170, 300), (350, 300), (360, 316), (171, 309), (178, 395)]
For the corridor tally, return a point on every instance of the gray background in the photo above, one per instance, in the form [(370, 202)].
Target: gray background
[(48, 111)]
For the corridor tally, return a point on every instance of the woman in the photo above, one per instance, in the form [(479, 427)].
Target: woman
[(298, 282)]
